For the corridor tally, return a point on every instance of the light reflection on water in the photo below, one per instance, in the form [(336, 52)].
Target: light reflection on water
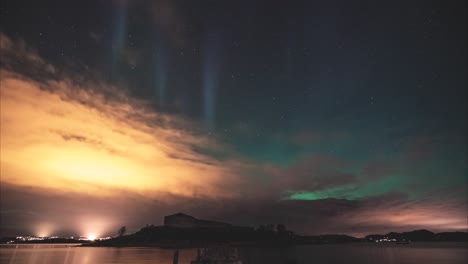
[(428, 253)]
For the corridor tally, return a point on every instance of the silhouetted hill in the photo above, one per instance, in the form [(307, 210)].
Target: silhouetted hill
[(419, 235), (172, 236), (451, 237)]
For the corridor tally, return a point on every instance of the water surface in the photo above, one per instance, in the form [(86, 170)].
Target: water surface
[(427, 253)]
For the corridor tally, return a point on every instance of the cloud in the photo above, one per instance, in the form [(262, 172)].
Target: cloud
[(396, 211), (309, 173), (90, 138), (18, 53), (318, 172)]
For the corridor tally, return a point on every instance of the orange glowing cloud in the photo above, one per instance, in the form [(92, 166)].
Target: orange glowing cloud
[(59, 135), (85, 144), (69, 138)]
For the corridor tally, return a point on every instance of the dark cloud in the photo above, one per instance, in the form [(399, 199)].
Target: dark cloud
[(17, 56), (74, 137), (314, 172)]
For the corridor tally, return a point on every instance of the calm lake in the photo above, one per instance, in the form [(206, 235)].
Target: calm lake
[(427, 253)]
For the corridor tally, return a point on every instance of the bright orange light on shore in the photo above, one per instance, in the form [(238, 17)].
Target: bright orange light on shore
[(91, 236)]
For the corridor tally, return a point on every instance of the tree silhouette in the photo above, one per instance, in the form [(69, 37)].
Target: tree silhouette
[(270, 228), (122, 231), (281, 229)]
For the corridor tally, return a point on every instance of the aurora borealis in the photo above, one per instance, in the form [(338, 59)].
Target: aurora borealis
[(330, 117)]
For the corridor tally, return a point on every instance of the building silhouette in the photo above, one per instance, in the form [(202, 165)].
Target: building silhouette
[(181, 220)]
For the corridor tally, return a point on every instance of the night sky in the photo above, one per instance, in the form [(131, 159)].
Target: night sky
[(327, 116)]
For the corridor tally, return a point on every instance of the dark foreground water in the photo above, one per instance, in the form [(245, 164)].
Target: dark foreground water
[(427, 253)]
